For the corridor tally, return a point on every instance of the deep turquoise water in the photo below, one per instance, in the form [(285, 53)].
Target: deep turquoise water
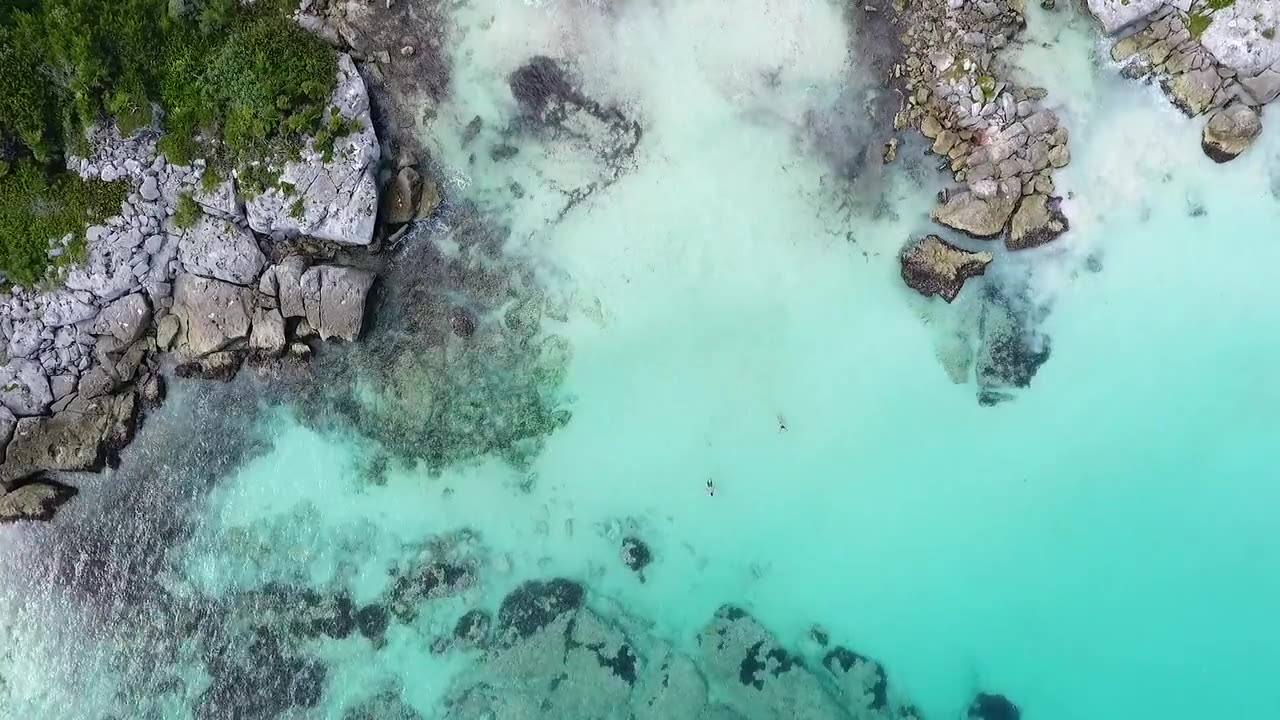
[(1100, 547)]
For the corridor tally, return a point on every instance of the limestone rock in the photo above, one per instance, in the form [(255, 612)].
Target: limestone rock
[(1115, 15), (125, 319), (334, 298), (268, 335), (400, 204), (79, 438), (288, 276), (24, 388), (933, 266), (167, 331), (1229, 132), (35, 501), (1193, 91), (1242, 36), (976, 216), (1264, 87), (338, 191), (1039, 220), (212, 314), (7, 423), (220, 250)]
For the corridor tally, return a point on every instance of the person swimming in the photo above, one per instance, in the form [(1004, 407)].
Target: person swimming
[(711, 487)]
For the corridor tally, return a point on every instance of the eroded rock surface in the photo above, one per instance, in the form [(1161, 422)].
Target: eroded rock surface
[(221, 250), (1229, 132), (1038, 220), (334, 299), (36, 500), (976, 216), (212, 314), (932, 266), (78, 440), (335, 193)]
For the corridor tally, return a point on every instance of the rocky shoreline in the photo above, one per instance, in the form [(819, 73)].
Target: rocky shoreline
[(247, 273)]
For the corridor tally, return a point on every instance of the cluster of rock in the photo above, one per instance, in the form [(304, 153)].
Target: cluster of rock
[(1212, 58), (548, 655), (76, 357), (992, 136)]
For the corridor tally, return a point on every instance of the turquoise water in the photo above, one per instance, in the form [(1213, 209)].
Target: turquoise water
[(1099, 547)]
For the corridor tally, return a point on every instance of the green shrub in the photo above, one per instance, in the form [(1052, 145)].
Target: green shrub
[(186, 212), (36, 209)]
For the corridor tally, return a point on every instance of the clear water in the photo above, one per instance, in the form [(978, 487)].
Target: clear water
[(1100, 547)]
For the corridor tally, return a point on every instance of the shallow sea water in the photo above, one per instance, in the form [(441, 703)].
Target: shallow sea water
[(1100, 547)]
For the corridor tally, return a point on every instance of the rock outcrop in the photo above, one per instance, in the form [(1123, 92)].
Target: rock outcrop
[(932, 266), (221, 250), (212, 314), (1222, 59), (1038, 220), (977, 216), (125, 319), (79, 439), (334, 191), (1229, 132), (334, 299), (38, 499), (24, 388)]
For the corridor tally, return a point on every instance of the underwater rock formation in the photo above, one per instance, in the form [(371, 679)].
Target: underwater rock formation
[(932, 266)]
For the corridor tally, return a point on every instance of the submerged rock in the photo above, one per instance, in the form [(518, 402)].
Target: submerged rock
[(976, 216), (536, 603), (37, 500), (987, 706), (1008, 355), (1229, 132), (338, 189), (400, 203), (933, 266), (80, 438), (1039, 220), (635, 554)]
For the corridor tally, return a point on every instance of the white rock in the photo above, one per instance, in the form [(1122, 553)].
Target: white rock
[(218, 249), (1236, 36), (24, 388), (339, 197), (1115, 15)]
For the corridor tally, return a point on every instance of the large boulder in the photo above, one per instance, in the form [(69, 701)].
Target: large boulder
[(334, 298), (1039, 220), (79, 438), (268, 335), (221, 250), (1116, 15), (125, 319), (1229, 132), (212, 314), (1192, 92), (338, 189), (286, 281), (933, 266), (976, 216), (24, 387), (1242, 36), (37, 500)]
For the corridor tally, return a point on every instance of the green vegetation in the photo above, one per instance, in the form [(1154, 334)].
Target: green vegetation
[(186, 212), (297, 209), (1220, 4), (36, 208), (1197, 23), (237, 84)]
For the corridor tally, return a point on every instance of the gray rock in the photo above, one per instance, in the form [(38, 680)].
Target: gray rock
[(35, 501), (1115, 15), (1229, 132), (167, 331), (125, 319), (220, 250), (339, 199), (1264, 87), (78, 439), (1039, 220), (268, 335), (1041, 122), (62, 385), (975, 216), (7, 423), (1242, 36), (64, 308), (212, 314), (289, 285), (96, 383), (334, 298), (933, 266), (1193, 91), (24, 341), (400, 204), (149, 191), (24, 387)]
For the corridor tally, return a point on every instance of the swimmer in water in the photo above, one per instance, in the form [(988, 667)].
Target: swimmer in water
[(782, 423), (711, 488)]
